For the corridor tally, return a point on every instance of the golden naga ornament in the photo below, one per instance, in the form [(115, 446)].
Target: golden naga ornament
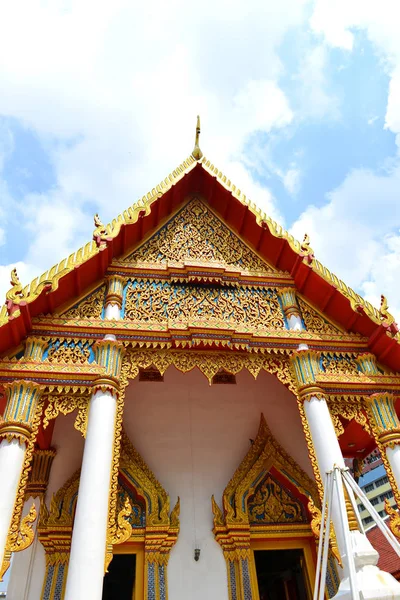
[(394, 520), (19, 540), (15, 295), (387, 319), (100, 234)]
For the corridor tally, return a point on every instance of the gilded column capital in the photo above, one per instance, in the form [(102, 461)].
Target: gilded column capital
[(386, 422), (367, 363), (306, 366), (115, 290), (22, 399), (290, 307), (40, 472), (108, 354), (34, 349)]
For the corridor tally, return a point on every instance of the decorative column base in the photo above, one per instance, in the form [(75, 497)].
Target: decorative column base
[(373, 584)]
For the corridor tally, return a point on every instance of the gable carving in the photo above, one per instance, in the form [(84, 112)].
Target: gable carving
[(313, 321), (89, 307), (273, 503), (196, 235), (241, 308)]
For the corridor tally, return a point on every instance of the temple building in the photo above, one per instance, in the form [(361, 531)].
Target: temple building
[(173, 395)]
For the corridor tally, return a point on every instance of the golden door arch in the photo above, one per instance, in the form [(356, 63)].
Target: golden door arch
[(154, 528), (269, 504)]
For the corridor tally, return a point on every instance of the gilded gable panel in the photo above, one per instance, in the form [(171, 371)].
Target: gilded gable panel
[(89, 307), (196, 235), (242, 308), (314, 322)]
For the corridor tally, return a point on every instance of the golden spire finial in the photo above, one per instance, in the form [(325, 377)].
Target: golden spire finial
[(197, 153)]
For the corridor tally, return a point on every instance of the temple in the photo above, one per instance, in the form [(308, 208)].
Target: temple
[(173, 395)]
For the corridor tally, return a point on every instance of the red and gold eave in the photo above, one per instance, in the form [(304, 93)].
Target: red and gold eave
[(81, 271), (326, 292)]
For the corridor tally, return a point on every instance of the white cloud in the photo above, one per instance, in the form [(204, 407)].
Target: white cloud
[(316, 99), (349, 233), (339, 21), (120, 85), (292, 180)]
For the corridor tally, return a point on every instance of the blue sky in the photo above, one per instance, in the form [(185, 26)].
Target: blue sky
[(299, 103)]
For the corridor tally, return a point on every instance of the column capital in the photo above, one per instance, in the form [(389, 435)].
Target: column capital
[(22, 399), (115, 290), (386, 421), (34, 349), (306, 366), (367, 363), (287, 296), (109, 354)]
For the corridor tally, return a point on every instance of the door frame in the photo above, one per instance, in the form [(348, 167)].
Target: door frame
[(134, 548), (307, 545)]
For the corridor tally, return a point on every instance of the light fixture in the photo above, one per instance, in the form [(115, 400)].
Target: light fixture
[(196, 554)]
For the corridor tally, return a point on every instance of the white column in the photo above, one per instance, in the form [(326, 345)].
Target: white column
[(112, 311), (327, 449), (393, 456), (373, 583), (12, 454), (86, 565), (295, 322)]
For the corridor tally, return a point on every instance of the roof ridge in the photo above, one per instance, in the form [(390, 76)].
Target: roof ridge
[(130, 216)]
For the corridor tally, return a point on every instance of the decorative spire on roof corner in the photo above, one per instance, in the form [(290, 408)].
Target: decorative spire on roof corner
[(100, 234), (388, 320), (197, 153)]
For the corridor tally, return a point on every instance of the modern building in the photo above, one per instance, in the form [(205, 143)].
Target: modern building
[(375, 484), (173, 395)]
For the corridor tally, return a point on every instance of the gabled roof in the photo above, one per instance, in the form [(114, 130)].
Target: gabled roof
[(81, 270)]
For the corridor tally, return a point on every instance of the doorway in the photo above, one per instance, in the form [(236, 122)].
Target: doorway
[(119, 582), (281, 575)]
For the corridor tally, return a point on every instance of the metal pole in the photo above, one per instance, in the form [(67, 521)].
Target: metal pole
[(379, 522), (346, 532)]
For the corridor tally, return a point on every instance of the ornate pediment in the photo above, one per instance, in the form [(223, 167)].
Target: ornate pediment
[(272, 502), (196, 236)]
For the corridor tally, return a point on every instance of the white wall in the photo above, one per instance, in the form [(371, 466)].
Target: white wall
[(193, 436)]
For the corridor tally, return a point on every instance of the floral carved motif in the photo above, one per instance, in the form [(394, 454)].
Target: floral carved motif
[(89, 307), (271, 503), (350, 410), (313, 321), (69, 351), (336, 364), (242, 308), (196, 235)]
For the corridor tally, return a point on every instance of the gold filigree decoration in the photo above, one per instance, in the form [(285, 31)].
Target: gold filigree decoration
[(89, 307), (339, 364), (313, 321), (209, 363), (394, 520), (243, 309), (69, 351), (15, 294), (271, 503), (19, 540), (121, 533), (349, 410), (196, 235), (65, 405)]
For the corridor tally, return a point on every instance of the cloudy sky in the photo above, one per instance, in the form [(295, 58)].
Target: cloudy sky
[(300, 107)]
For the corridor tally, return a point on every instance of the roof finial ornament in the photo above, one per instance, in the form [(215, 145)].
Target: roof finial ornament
[(388, 320), (306, 249), (15, 294), (197, 153), (100, 234)]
